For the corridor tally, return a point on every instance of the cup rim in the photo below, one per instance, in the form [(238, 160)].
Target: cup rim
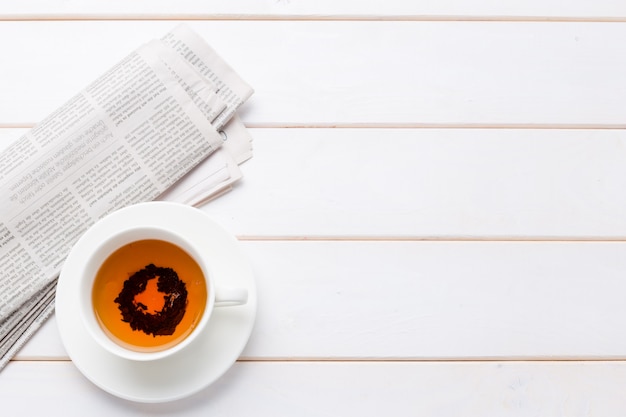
[(101, 253)]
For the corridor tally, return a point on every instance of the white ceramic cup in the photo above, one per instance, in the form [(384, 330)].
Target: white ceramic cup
[(216, 296)]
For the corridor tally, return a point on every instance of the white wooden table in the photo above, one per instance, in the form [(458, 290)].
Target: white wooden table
[(435, 211)]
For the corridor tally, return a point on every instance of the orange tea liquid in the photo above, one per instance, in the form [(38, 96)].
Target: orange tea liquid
[(125, 262)]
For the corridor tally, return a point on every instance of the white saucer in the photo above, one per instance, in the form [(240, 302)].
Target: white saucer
[(207, 358)]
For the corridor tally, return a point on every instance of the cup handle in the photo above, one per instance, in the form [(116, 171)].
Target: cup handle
[(226, 296)]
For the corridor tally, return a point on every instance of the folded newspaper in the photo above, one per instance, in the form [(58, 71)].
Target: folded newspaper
[(159, 125)]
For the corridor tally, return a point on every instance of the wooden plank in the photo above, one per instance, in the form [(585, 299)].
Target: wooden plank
[(430, 300), (326, 73), (310, 9), (340, 389), (423, 183), (427, 184)]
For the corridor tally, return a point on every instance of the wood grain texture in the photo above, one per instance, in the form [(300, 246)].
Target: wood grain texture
[(429, 301), (309, 73), (340, 389), (427, 184), (310, 9), (455, 247), (430, 184)]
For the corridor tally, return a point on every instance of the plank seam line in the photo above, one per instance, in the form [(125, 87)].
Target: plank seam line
[(438, 360), (387, 360), (313, 18), (442, 126), (578, 239), (409, 125)]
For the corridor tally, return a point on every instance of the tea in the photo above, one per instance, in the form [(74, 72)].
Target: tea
[(149, 295)]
